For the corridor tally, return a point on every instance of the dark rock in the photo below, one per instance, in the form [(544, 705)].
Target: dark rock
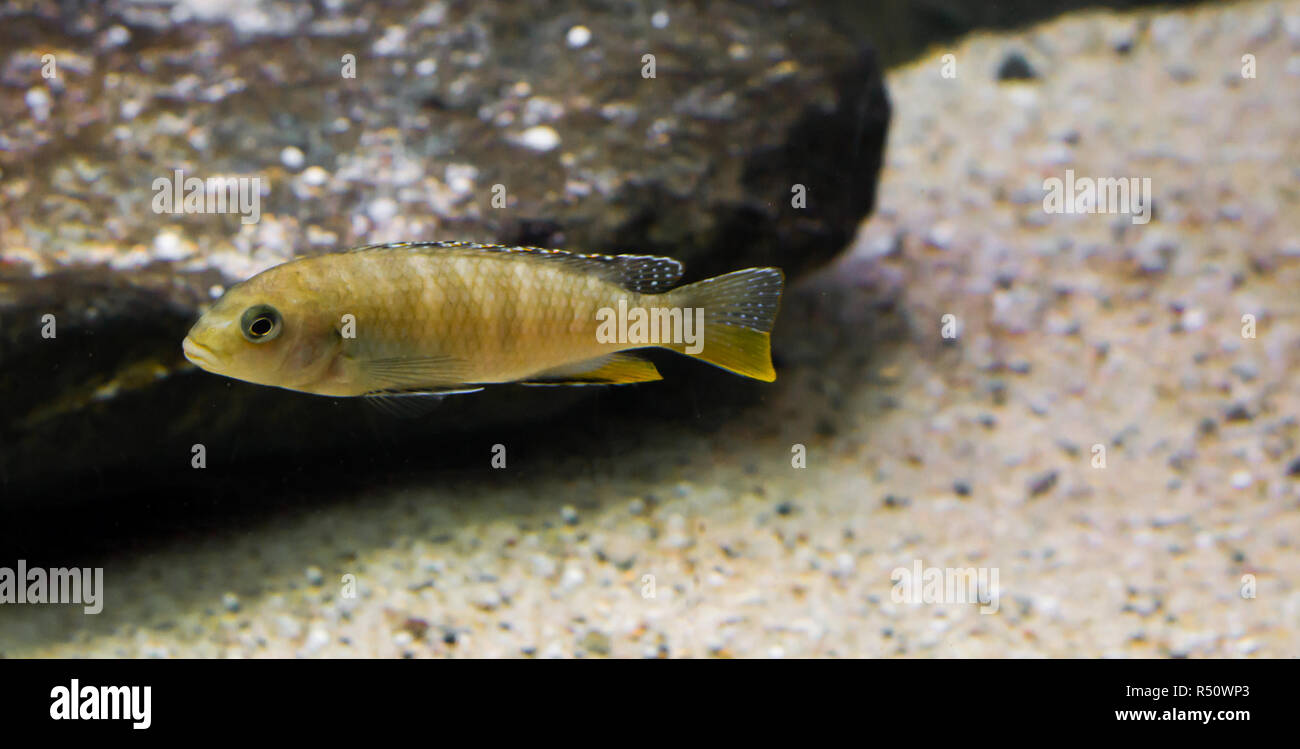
[(893, 501), (699, 162), (1042, 483), (1015, 67), (1238, 412)]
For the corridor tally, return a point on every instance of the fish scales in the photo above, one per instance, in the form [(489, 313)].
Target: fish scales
[(511, 317), (437, 317)]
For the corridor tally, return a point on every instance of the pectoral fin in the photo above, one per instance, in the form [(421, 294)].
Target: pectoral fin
[(612, 369), (432, 373)]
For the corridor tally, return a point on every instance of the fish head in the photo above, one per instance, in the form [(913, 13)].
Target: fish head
[(269, 330)]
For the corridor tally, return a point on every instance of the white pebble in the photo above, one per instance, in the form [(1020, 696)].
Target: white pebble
[(659, 20), (488, 600), (941, 236), (540, 138), (288, 627), (392, 42), (38, 99), (543, 566), (317, 638), (315, 176), (573, 578), (116, 36), (579, 36), (1241, 479), (292, 157), (382, 210), (131, 108), (167, 246), (460, 177)]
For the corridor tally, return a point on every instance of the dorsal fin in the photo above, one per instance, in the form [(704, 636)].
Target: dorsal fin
[(646, 274)]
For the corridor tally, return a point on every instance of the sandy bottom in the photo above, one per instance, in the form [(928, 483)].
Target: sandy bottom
[(1102, 441)]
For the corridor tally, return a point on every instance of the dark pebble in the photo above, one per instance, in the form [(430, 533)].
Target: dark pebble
[(1238, 412), (1015, 67), (1042, 483), (895, 501)]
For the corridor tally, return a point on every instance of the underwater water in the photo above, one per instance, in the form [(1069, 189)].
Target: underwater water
[(951, 330)]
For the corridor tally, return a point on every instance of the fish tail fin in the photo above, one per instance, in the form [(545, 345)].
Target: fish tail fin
[(738, 310)]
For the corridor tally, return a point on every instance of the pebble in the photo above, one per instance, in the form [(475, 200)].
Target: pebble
[(489, 600), (116, 36), (460, 177), (382, 210), (573, 577), (676, 536), (578, 36), (1154, 250), (392, 42), (1042, 483), (569, 515), (1015, 311), (288, 627), (539, 138), (230, 602), (38, 99), (168, 245), (596, 642), (941, 235), (543, 566), (1015, 67), (314, 576), (314, 176), (317, 638), (659, 20), (292, 157), (1241, 479)]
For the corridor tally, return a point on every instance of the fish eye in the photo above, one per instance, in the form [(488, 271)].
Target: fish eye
[(260, 323)]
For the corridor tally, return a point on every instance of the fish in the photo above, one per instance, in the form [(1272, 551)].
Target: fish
[(445, 318)]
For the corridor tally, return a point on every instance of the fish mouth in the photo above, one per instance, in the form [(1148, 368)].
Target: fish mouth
[(198, 354)]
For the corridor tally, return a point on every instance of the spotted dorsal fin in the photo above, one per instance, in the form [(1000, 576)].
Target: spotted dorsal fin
[(645, 274)]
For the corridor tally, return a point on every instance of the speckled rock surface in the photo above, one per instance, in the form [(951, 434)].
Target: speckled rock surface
[(371, 123), (1075, 331)]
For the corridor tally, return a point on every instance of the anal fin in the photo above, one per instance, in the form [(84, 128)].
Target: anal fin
[(612, 369)]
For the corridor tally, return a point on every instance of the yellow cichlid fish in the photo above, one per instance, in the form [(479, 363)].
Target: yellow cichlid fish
[(450, 317)]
